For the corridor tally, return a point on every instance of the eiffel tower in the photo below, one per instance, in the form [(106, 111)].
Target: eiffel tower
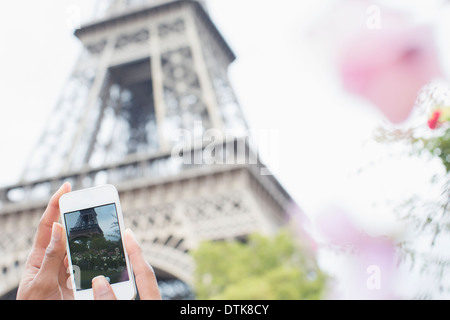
[(86, 225), (149, 108)]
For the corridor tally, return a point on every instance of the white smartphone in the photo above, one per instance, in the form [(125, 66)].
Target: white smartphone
[(93, 222)]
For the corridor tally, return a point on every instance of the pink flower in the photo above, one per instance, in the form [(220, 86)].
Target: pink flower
[(389, 66), (301, 223), (433, 122), (370, 272)]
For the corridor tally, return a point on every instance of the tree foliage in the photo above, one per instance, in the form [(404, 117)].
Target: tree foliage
[(263, 267)]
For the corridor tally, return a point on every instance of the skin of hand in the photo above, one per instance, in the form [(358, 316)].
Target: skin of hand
[(46, 277)]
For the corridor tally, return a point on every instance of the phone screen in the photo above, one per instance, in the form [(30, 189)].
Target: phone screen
[(95, 245)]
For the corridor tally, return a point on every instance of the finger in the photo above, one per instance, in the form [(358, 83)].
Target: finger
[(51, 214), (102, 289), (143, 272), (54, 254), (66, 262), (65, 282)]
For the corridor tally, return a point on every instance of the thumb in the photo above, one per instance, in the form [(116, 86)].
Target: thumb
[(55, 252), (102, 289)]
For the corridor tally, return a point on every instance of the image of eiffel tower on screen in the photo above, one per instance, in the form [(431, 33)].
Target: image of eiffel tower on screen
[(86, 226), (96, 245)]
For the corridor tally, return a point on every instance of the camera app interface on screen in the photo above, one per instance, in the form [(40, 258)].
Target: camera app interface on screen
[(96, 245)]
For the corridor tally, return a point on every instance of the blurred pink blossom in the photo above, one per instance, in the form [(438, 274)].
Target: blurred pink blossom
[(302, 226), (433, 122), (389, 66), (371, 270)]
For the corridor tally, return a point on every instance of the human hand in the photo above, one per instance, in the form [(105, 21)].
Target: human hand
[(45, 276), (143, 274)]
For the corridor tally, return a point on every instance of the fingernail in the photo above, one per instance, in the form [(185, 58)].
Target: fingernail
[(65, 185), (56, 231), (100, 285)]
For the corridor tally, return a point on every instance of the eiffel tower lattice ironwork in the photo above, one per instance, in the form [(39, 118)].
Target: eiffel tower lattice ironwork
[(86, 225), (150, 109)]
